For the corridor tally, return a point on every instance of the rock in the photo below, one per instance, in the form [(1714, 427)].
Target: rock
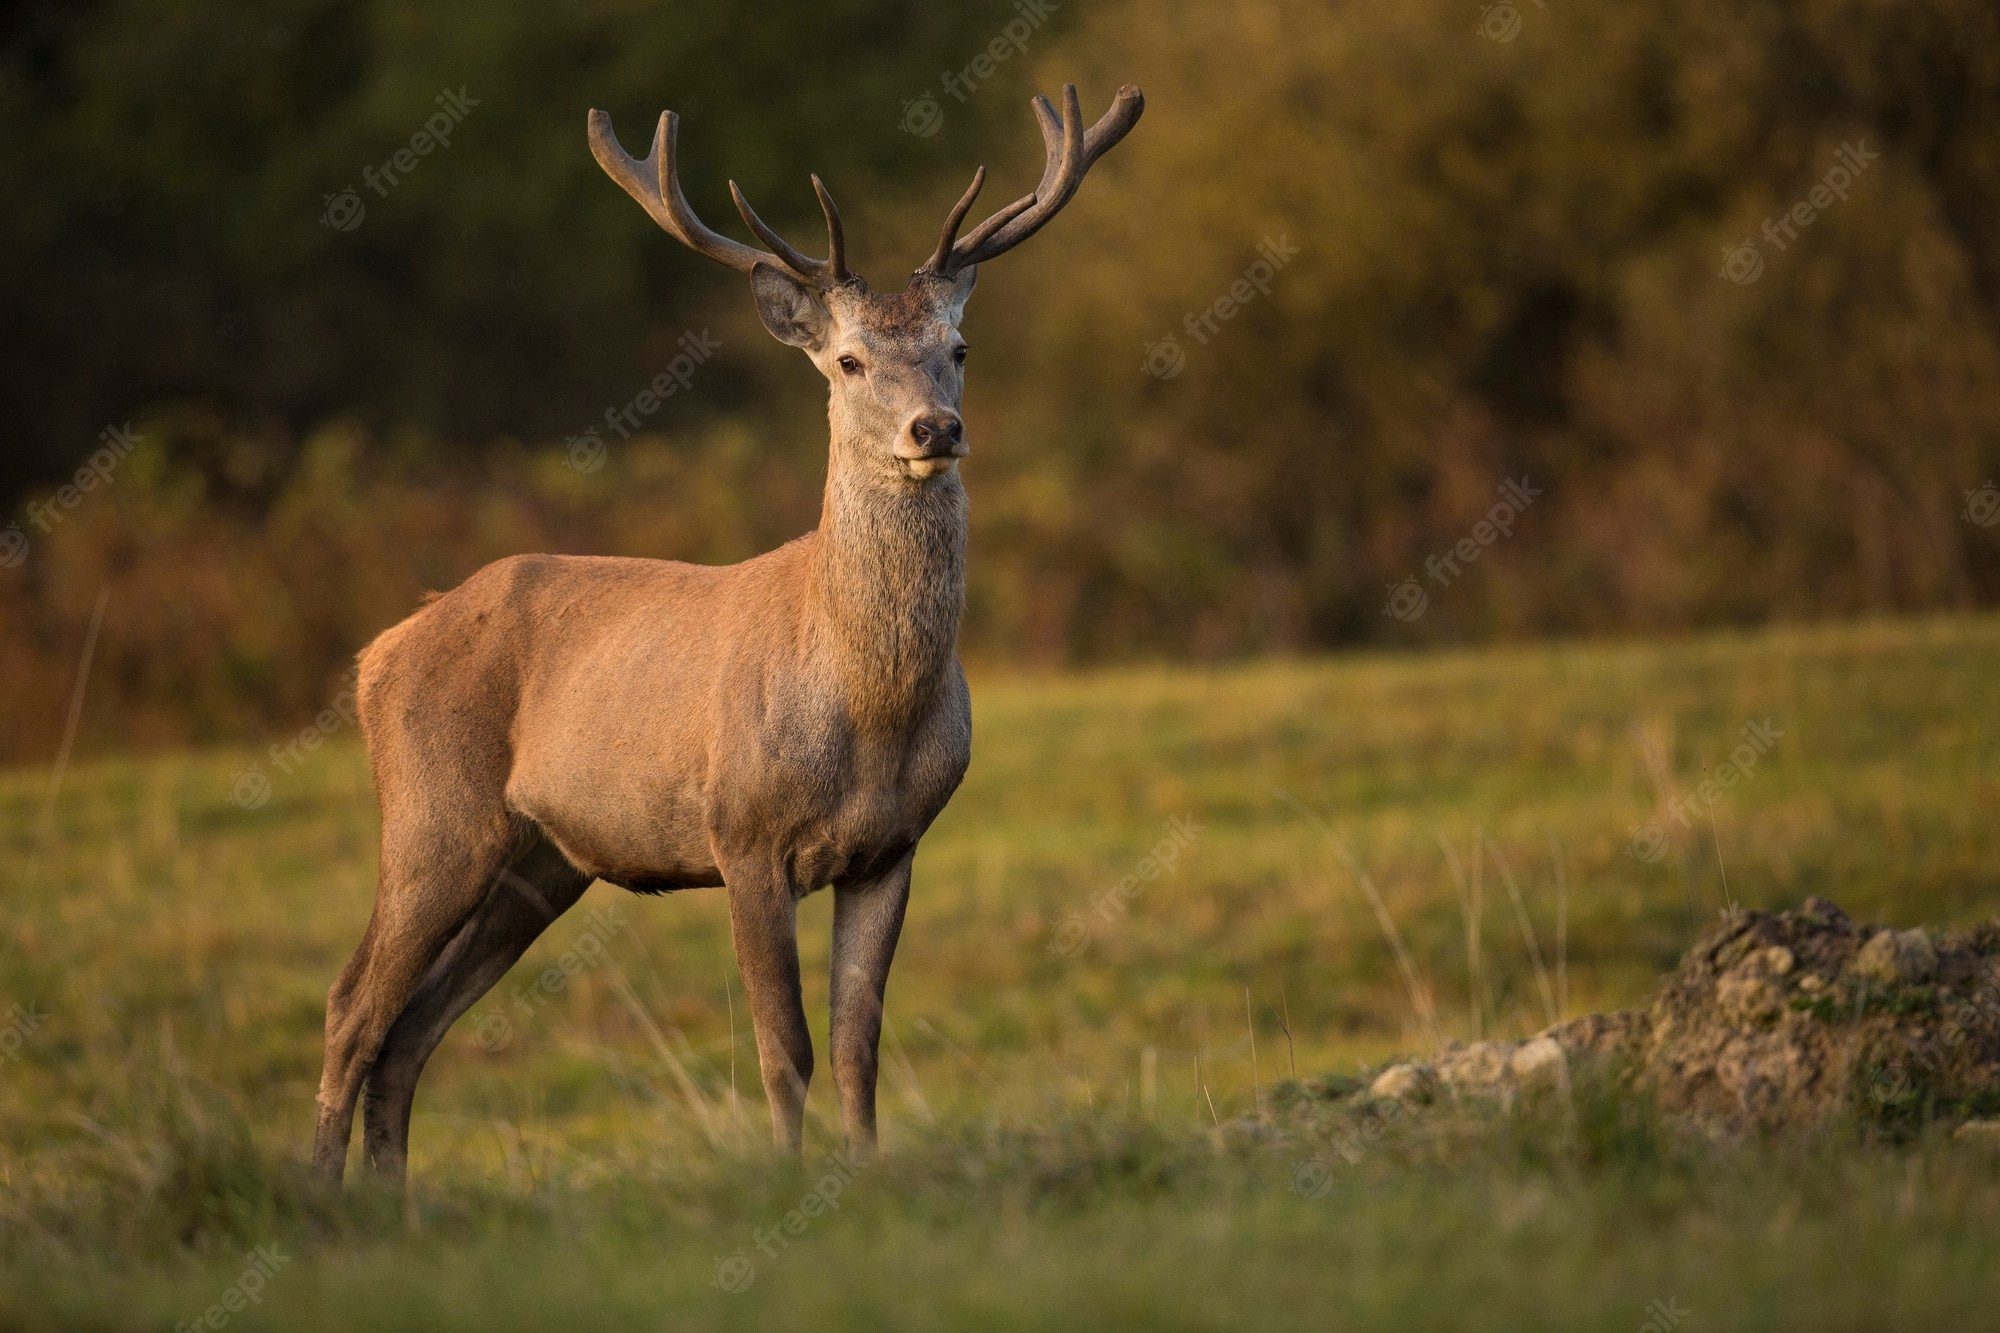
[(1779, 1020), (1897, 958), (1745, 999), (1601, 1037), (1877, 959), (1774, 1021), (1481, 1066), (1404, 1083), (1919, 955), (1539, 1063), (1776, 961), (1733, 949)]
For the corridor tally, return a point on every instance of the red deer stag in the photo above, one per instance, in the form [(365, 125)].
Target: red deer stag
[(771, 727)]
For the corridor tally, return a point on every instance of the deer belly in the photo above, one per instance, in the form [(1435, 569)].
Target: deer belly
[(646, 840)]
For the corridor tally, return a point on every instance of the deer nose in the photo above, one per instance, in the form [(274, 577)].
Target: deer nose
[(937, 435)]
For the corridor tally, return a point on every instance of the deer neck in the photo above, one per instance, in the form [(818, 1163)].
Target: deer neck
[(889, 582)]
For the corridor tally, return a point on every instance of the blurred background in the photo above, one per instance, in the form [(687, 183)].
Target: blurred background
[(1406, 324)]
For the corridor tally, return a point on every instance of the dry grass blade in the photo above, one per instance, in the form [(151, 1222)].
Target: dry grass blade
[(735, 1097), (1656, 742), (1528, 937), (1256, 1081), (1420, 996), (913, 1088), (690, 1092), (1715, 835), (1471, 909), (1562, 927), (1285, 1026)]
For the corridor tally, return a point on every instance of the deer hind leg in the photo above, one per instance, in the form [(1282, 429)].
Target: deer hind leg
[(431, 883), (524, 899)]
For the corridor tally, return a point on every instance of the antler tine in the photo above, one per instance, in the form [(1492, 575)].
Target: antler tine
[(791, 258), (836, 239), (1062, 140), (1058, 135), (952, 221), (1070, 152), (656, 184)]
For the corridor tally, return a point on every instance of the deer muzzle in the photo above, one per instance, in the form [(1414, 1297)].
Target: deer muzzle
[(932, 436)]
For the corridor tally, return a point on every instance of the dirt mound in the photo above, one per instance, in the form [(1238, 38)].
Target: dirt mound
[(1775, 1021)]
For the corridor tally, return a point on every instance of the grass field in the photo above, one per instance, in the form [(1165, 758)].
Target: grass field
[(1148, 908)]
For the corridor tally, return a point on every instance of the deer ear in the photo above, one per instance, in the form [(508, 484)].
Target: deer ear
[(789, 308), (961, 289)]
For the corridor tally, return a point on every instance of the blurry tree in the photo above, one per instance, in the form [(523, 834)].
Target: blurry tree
[(206, 210), (1720, 281), (1510, 262)]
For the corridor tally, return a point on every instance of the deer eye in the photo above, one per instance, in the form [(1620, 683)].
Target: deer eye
[(958, 353), (850, 366)]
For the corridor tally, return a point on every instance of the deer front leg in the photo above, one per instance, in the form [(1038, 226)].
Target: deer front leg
[(763, 923), (867, 918)]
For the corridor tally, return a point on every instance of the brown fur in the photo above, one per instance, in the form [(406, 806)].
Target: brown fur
[(775, 727)]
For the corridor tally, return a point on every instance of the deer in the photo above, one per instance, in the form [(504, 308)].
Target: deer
[(771, 728)]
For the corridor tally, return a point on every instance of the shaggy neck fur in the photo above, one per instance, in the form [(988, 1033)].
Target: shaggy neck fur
[(889, 582)]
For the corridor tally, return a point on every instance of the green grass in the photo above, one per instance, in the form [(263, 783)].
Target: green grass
[(1053, 1157)]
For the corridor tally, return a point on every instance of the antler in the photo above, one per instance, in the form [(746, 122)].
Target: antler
[(1071, 149), (656, 184)]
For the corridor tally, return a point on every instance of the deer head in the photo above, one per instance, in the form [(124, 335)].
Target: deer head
[(894, 362)]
